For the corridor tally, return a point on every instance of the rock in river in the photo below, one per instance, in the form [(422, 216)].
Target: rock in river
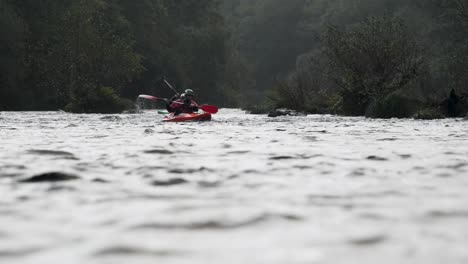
[(285, 112)]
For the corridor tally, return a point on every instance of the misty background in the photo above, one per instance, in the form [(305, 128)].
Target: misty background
[(386, 58)]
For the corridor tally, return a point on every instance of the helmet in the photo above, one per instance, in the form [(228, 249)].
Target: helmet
[(189, 92)]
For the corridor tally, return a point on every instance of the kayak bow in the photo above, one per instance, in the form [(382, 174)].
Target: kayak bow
[(186, 117)]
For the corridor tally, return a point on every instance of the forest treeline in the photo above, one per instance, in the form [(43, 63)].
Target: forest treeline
[(83, 55), (379, 58)]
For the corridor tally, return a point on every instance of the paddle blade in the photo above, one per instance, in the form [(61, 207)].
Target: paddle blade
[(209, 109), (149, 97)]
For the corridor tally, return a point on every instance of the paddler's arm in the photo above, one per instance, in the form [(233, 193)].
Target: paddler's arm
[(169, 102), (175, 97), (194, 106)]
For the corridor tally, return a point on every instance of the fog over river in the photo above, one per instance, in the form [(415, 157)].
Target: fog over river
[(240, 189)]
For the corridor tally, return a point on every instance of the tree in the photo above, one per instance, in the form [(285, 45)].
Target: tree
[(183, 41), (97, 51), (266, 35), (459, 52), (12, 30), (377, 57)]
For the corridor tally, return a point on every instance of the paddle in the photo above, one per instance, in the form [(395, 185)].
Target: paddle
[(206, 108), (150, 97), (170, 86)]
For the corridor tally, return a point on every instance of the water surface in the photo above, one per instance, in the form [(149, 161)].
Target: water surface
[(239, 189)]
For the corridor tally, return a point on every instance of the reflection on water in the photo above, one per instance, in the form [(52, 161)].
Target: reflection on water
[(239, 189)]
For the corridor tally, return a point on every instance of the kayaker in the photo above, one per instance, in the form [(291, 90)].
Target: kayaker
[(183, 103)]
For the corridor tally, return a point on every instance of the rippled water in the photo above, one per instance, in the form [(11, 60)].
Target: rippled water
[(240, 189)]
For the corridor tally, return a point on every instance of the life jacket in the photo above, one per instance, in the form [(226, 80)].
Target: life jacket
[(180, 106)]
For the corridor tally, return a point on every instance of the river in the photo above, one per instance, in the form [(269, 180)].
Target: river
[(240, 189)]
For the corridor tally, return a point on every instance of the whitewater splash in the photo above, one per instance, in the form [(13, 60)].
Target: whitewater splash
[(239, 189)]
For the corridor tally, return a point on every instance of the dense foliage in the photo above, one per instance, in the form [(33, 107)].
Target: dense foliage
[(384, 58), (70, 53), (369, 62), (380, 58)]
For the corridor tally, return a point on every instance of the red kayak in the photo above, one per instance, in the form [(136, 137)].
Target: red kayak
[(186, 117)]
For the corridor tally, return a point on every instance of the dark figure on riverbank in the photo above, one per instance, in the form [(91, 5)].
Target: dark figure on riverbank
[(453, 101), (454, 105), (183, 103)]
